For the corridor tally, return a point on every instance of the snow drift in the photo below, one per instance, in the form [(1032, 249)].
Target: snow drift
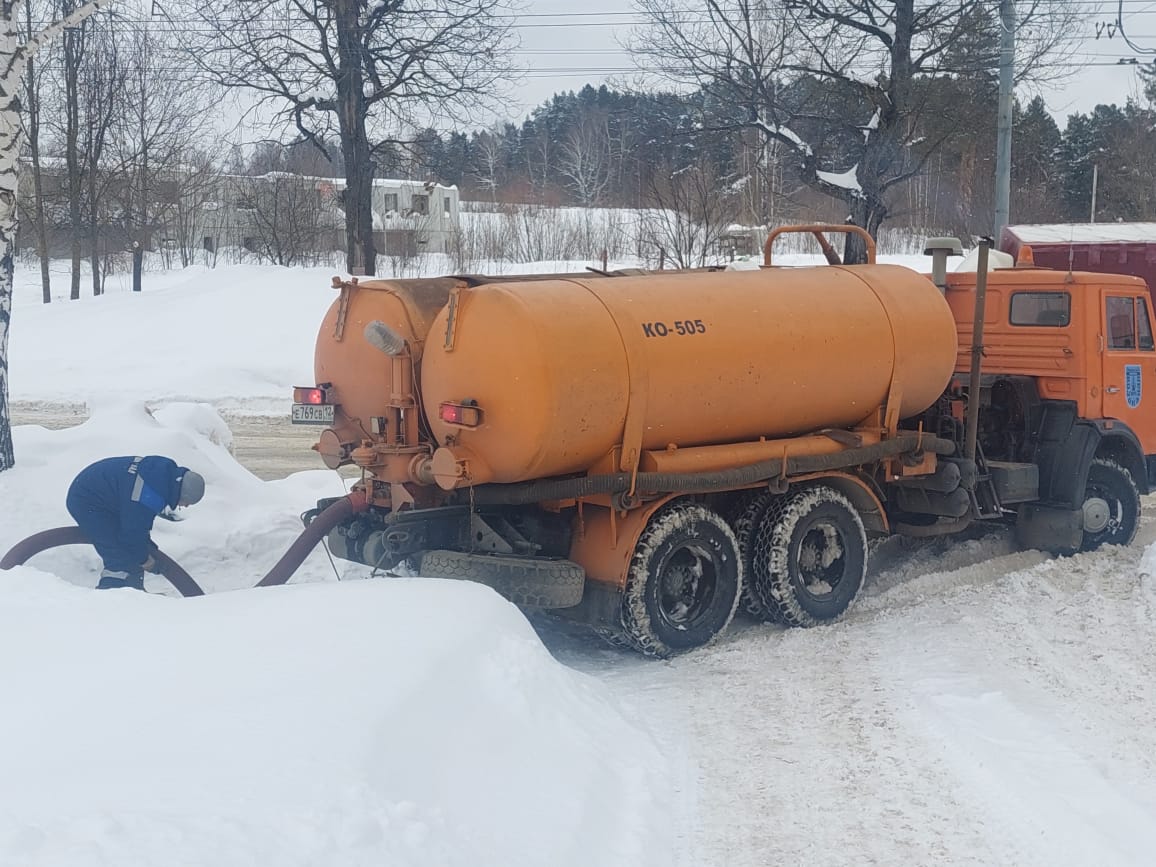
[(392, 721)]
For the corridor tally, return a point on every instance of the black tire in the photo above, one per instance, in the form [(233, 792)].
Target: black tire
[(684, 581), (529, 582), (1111, 498), (746, 527), (809, 557)]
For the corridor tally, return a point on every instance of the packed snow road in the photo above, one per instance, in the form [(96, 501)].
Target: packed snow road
[(980, 705), (268, 446)]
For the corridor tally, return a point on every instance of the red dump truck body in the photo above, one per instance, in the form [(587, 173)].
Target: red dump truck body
[(1111, 248)]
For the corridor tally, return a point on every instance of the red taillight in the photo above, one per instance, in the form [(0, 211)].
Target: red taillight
[(315, 396), (464, 414)]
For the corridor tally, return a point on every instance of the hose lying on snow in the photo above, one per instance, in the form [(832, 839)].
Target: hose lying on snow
[(333, 515), (180, 579), (165, 565), (697, 483)]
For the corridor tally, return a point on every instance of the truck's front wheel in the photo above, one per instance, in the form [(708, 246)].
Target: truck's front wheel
[(684, 581), (1111, 505)]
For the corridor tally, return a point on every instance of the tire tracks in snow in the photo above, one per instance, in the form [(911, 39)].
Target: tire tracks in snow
[(980, 705)]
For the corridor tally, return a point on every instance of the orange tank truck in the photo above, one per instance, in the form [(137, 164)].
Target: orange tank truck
[(646, 452)]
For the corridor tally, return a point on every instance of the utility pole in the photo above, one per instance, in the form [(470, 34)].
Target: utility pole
[(1095, 181), (1007, 46)]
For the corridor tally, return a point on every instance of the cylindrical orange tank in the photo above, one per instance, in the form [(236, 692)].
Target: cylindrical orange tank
[(360, 375), (565, 370)]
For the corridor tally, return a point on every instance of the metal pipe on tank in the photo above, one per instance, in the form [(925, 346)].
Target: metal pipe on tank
[(382, 337), (971, 428)]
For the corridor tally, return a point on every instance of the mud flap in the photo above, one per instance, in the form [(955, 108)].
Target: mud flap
[(1050, 528)]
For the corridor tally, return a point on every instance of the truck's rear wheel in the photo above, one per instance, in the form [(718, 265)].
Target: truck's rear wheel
[(747, 526), (1111, 505), (809, 557), (684, 581)]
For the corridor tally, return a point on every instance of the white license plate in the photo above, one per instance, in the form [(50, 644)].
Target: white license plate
[(309, 413)]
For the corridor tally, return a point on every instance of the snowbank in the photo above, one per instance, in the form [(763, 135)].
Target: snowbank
[(402, 722), (387, 721)]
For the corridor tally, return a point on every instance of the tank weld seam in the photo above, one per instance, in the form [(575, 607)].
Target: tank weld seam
[(633, 407)]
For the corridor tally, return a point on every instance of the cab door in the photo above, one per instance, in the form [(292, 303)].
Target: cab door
[(1129, 364)]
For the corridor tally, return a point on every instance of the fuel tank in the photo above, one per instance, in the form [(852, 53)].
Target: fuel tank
[(565, 370)]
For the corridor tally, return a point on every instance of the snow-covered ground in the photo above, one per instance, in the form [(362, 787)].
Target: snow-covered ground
[(980, 705)]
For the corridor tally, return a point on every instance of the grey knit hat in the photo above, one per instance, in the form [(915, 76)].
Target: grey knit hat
[(192, 488)]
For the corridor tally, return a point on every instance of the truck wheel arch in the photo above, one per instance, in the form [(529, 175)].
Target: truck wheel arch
[(1088, 439), (1121, 445), (864, 498)]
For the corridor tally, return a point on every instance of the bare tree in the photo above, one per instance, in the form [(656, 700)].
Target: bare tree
[(164, 117), (102, 86), (840, 83), (32, 105), (584, 160), (690, 211), (73, 57), (287, 217), (197, 192), (16, 49), (489, 170), (361, 69)]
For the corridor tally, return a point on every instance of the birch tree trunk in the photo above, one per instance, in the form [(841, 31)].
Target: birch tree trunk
[(15, 53)]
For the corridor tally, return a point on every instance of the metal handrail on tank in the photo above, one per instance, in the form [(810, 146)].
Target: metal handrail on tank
[(818, 230)]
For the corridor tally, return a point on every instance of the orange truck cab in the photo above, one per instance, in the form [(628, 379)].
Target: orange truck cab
[(1068, 391)]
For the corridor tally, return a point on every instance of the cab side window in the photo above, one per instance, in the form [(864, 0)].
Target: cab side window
[(1121, 316), (1051, 309), (1144, 325)]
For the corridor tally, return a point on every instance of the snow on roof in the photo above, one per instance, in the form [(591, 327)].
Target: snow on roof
[(1086, 233), (339, 183)]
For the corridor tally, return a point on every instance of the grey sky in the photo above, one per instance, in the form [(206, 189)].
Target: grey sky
[(566, 45)]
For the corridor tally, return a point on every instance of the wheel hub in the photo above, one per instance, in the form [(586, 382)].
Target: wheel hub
[(1097, 515), (685, 587), (820, 550)]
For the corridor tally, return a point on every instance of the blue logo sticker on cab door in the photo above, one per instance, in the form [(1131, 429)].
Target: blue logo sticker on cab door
[(1133, 385)]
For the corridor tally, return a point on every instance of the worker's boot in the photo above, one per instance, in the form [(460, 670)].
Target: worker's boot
[(112, 580)]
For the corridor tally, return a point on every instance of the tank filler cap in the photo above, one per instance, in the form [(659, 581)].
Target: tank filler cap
[(939, 249), (447, 469)]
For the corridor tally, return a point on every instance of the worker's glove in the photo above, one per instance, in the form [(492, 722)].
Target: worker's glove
[(150, 565)]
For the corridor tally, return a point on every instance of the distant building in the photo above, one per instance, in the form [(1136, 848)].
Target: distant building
[(278, 215)]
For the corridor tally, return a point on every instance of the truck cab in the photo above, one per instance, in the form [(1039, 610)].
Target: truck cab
[(1068, 391)]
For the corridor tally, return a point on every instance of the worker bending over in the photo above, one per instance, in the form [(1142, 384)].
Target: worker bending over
[(115, 502)]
